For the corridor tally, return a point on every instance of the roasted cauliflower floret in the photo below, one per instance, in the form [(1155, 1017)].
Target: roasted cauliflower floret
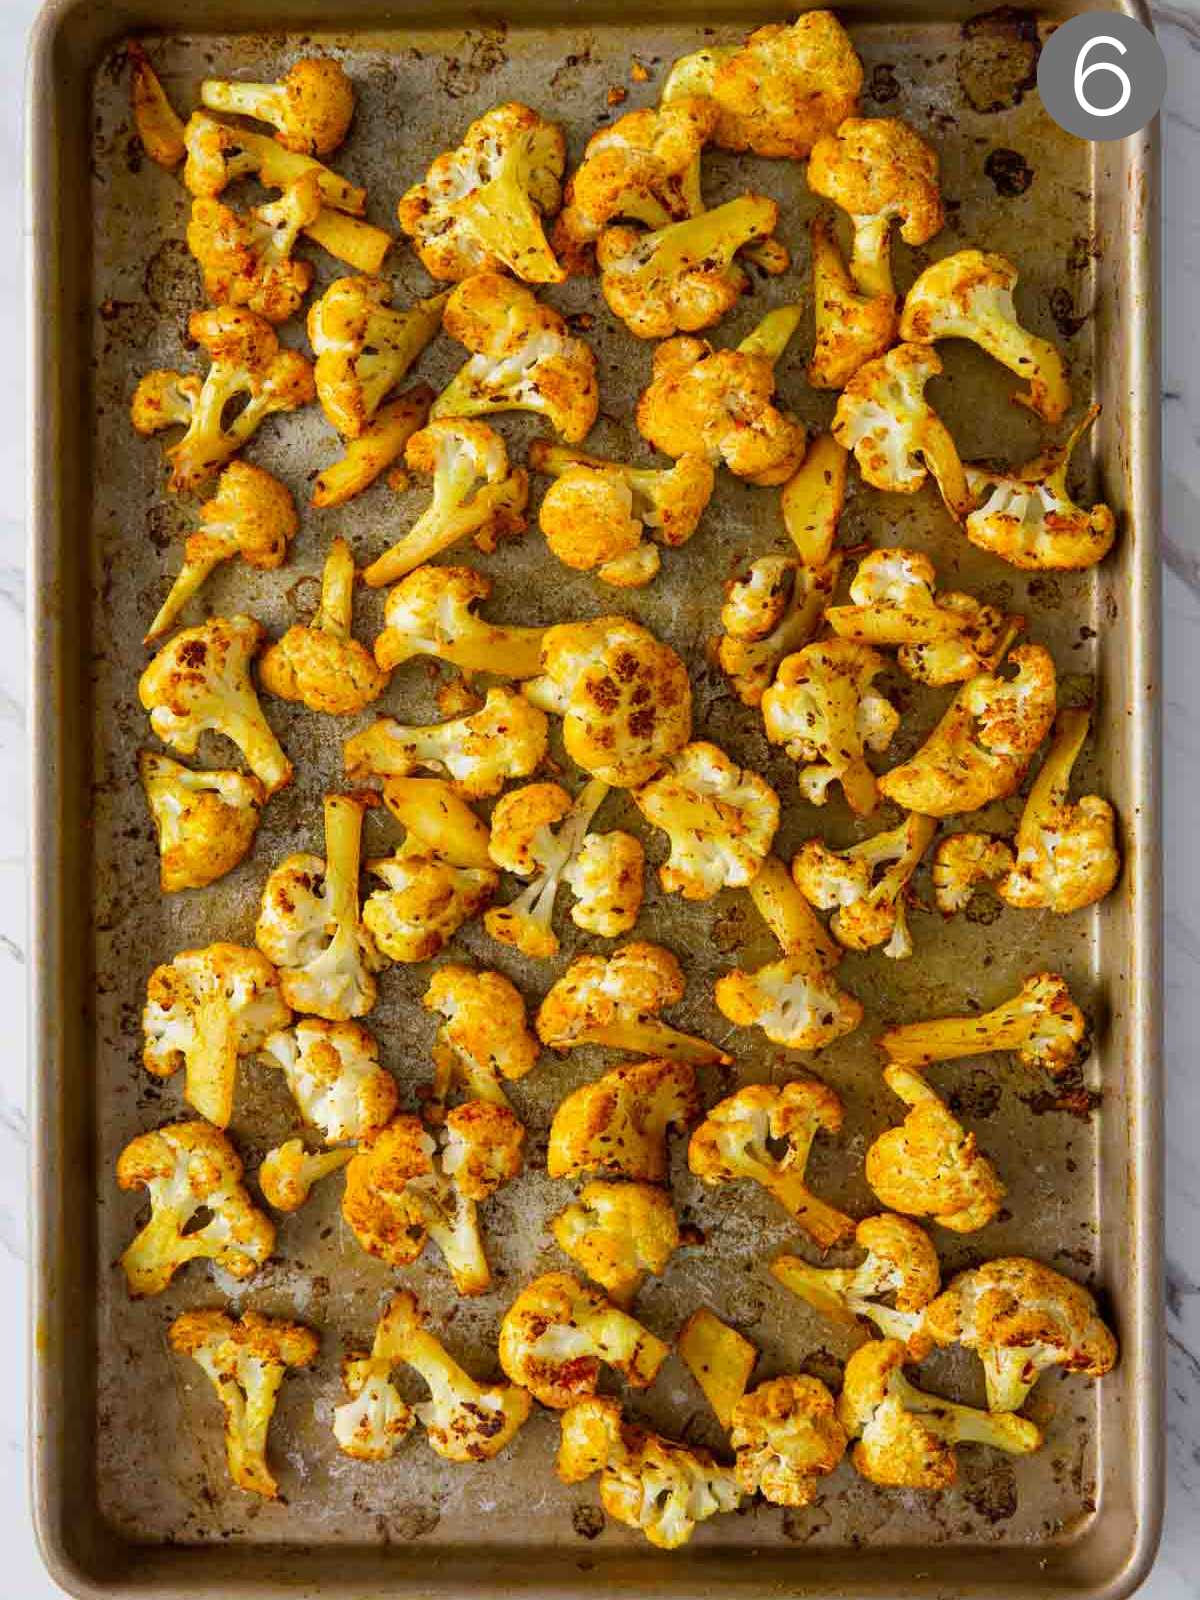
[(463, 1420), (475, 495), (1022, 1318), (598, 515), (523, 358), (607, 878), (961, 862), (969, 295), (781, 91), (616, 1002), (776, 605), (205, 821), (199, 682), (219, 153), (252, 515), (483, 1039), (734, 1142), (1029, 518), (309, 923), (682, 277), (720, 819), (246, 1360), (432, 612), (204, 1011), (900, 1261), (439, 876), (402, 1190), (334, 1074), (823, 710), (1041, 1024), (981, 748), (906, 1437), (364, 347), (624, 697), (719, 403), (289, 1172), (371, 452), (479, 753), (539, 832), (558, 1332), (186, 1168), (320, 663), (866, 885), (787, 1437), (481, 207), (246, 258), (618, 1233), (719, 1358), (897, 437), (796, 1000), (246, 363), (930, 1166), (647, 1482), (939, 637), (617, 1125), (310, 107), (878, 171), (159, 127)]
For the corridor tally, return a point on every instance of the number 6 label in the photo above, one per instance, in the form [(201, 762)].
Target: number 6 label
[(1102, 75)]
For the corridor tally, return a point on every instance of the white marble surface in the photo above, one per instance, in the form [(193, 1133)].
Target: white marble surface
[(1177, 1574)]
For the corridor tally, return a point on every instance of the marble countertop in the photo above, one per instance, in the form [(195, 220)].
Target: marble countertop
[(1177, 1575)]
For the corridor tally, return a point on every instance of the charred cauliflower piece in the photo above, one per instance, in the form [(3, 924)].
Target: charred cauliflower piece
[(252, 515), (463, 1420), (1022, 1318), (607, 878), (661, 1488), (981, 748), (475, 496), (310, 107), (245, 257), (186, 1168), (624, 697), (437, 878), (939, 637), (787, 1437), (506, 738), (246, 362), (618, 1233), (205, 821), (878, 171), (906, 1438), (930, 1166), (558, 1332), (823, 710), (961, 862), (309, 923), (364, 347), (969, 295), (482, 206), (720, 819), (333, 1072), (523, 358), (320, 663), (431, 612), (204, 1011), (289, 1172), (897, 437), (796, 1000), (1041, 1024), (617, 1125), (733, 1142), (1029, 518), (900, 1261), (616, 1001), (781, 91), (776, 605), (597, 514), (866, 885), (719, 403), (483, 1039), (246, 1359), (402, 1189)]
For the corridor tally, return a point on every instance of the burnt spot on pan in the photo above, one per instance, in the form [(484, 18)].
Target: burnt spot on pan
[(997, 64), (172, 280), (588, 1521), (1009, 171), (884, 84), (481, 54), (993, 1493), (1062, 309)]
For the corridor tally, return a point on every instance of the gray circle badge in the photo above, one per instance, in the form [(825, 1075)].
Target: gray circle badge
[(1102, 75)]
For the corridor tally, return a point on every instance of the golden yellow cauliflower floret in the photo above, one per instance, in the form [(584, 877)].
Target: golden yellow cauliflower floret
[(900, 1261), (310, 107), (558, 1332), (432, 612), (364, 347), (720, 818), (787, 1437), (246, 257), (320, 663), (1041, 1023), (866, 886), (616, 1001), (506, 738), (930, 1166), (617, 1125), (617, 1233), (205, 821), (483, 1037)]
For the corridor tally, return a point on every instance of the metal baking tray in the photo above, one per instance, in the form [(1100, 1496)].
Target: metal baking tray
[(130, 1492)]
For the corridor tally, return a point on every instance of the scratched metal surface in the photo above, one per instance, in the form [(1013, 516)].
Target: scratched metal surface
[(1012, 181)]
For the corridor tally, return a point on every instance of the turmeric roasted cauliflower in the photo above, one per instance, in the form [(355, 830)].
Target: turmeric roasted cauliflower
[(558, 1332), (506, 738), (205, 821), (364, 347), (866, 885), (616, 1002), (289, 1172), (617, 1125), (310, 107), (483, 1039), (1041, 1024), (720, 819), (245, 257), (900, 1261), (432, 612), (787, 1437), (618, 1232), (372, 451), (158, 125), (334, 1075), (320, 663)]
